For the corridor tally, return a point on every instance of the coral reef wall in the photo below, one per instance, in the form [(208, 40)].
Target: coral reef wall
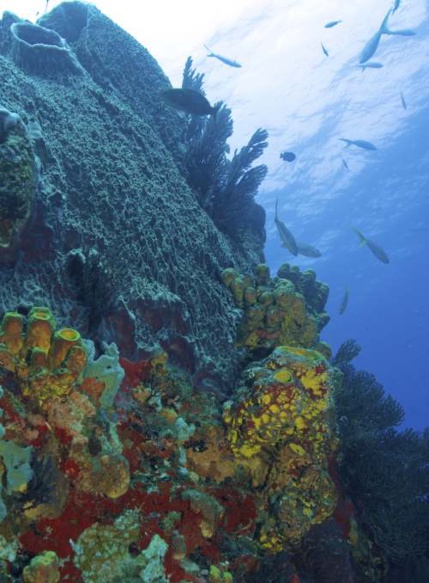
[(116, 240)]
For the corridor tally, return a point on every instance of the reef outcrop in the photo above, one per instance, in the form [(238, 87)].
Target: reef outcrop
[(113, 469), (96, 217)]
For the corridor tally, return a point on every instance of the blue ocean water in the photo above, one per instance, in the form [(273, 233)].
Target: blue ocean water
[(388, 200)]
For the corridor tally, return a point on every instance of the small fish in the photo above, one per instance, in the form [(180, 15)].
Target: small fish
[(307, 250), (371, 65), (224, 60), (288, 240), (325, 52), (346, 166), (403, 32), (359, 143), (288, 156), (344, 302), (189, 101), (372, 45), (332, 23), (376, 249), (404, 103)]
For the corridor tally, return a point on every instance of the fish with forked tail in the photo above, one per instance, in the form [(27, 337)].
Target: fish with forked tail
[(359, 143), (372, 45), (288, 240), (222, 59), (378, 251)]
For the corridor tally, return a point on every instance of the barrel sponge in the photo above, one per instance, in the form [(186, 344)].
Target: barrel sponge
[(68, 19), (18, 176), (41, 51)]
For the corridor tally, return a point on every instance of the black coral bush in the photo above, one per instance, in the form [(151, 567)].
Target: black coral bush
[(384, 470), (225, 187)]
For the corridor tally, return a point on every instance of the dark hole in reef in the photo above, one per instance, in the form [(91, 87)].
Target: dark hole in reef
[(36, 35)]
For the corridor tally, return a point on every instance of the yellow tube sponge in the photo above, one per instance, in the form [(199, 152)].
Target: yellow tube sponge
[(46, 362)]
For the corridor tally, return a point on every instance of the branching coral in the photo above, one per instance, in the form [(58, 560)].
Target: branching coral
[(225, 188), (346, 353), (385, 471)]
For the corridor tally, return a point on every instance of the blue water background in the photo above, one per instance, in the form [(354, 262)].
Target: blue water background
[(388, 308), (307, 101)]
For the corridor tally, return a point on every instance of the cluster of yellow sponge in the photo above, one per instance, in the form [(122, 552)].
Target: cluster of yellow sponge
[(47, 361)]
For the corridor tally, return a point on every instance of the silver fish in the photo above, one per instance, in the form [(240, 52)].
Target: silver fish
[(224, 60), (288, 240), (346, 166), (344, 302), (332, 23), (359, 143), (371, 65), (403, 32), (325, 52), (307, 250), (378, 251), (404, 103), (372, 45)]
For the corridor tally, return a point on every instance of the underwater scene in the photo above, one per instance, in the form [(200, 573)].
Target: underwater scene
[(214, 234)]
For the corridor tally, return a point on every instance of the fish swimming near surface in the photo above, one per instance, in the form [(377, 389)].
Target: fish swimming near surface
[(346, 166), (378, 251), (332, 23), (325, 52), (371, 46), (359, 143), (288, 156), (224, 60), (288, 240), (344, 302), (189, 101), (307, 250), (371, 65), (404, 103)]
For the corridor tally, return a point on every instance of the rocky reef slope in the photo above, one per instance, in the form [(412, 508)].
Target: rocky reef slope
[(98, 221)]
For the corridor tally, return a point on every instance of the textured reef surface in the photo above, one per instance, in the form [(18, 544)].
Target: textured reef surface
[(98, 220), (168, 412)]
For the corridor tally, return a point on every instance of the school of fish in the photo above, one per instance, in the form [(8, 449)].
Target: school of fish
[(195, 103)]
